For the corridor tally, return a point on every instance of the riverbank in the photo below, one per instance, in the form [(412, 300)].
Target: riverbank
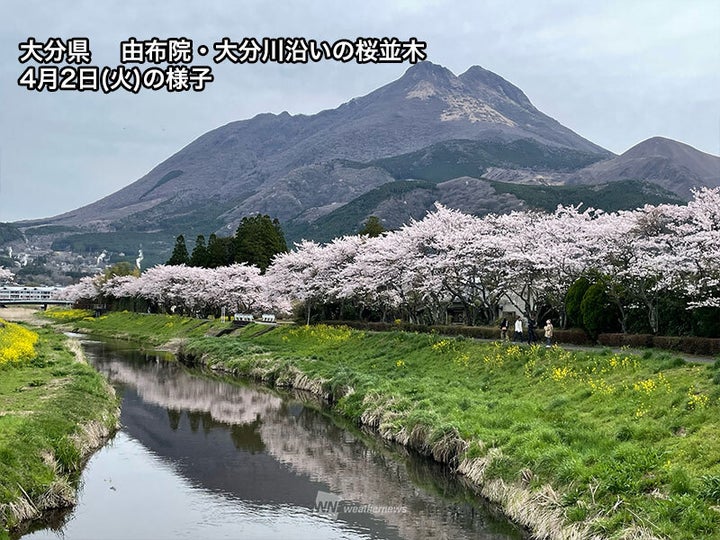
[(570, 444), (55, 411), (146, 329)]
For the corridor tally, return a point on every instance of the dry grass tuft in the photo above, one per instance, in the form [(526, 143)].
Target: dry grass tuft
[(449, 447)]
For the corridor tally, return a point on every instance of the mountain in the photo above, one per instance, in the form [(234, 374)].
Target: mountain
[(287, 165), (674, 166), (455, 158), (398, 202)]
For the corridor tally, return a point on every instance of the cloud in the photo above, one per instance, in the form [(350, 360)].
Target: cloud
[(615, 72)]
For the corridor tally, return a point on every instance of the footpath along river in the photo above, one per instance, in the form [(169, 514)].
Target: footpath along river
[(204, 457)]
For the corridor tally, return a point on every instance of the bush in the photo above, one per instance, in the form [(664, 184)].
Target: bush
[(686, 344), (573, 299), (599, 314), (690, 345), (480, 332), (636, 341), (573, 336)]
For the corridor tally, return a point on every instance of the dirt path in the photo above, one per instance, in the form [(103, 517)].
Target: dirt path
[(21, 314)]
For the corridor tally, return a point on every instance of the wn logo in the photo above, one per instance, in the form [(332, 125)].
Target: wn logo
[(327, 503)]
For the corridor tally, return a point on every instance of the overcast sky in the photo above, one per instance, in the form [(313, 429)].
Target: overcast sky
[(616, 72)]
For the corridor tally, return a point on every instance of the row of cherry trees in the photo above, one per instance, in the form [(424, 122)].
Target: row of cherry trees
[(184, 289), (450, 258)]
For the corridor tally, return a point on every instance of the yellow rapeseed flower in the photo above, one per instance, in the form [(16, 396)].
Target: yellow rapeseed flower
[(17, 344)]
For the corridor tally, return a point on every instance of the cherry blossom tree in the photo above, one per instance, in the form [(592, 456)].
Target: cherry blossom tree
[(697, 237), (296, 275), (610, 254), (521, 272), (87, 289), (6, 275), (238, 288), (562, 252), (375, 277), (656, 265)]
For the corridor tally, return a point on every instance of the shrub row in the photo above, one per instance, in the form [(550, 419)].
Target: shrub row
[(626, 340), (687, 344), (690, 345)]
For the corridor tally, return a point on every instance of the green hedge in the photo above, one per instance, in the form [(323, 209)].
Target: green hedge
[(626, 340), (687, 344)]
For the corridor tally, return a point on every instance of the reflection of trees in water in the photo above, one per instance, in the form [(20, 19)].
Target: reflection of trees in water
[(174, 418), (169, 385), (310, 444), (245, 437)]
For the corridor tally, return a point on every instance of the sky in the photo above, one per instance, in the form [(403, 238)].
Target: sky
[(615, 72)]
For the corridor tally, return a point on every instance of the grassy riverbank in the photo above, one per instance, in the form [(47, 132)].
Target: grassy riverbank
[(572, 444), (147, 329), (54, 411)]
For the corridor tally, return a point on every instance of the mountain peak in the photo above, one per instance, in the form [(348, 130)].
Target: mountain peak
[(477, 76), (427, 68), (705, 166), (428, 75), (661, 146)]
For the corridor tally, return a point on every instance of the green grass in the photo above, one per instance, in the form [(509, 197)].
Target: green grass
[(42, 405), (149, 329), (624, 440)]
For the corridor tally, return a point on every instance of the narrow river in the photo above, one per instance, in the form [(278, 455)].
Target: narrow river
[(203, 457)]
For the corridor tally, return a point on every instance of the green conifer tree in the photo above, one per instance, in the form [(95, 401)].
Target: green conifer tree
[(199, 254), (258, 239), (180, 253), (373, 227)]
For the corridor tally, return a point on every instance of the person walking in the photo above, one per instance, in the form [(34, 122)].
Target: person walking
[(518, 329), (549, 331), (531, 331), (504, 330)]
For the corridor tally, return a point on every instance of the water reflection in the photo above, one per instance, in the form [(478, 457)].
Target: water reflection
[(249, 447)]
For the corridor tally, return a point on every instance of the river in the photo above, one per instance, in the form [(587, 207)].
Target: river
[(203, 457)]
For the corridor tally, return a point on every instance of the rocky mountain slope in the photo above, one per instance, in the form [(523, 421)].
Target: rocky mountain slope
[(280, 163)]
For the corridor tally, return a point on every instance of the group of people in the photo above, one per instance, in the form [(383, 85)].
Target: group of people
[(531, 335)]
